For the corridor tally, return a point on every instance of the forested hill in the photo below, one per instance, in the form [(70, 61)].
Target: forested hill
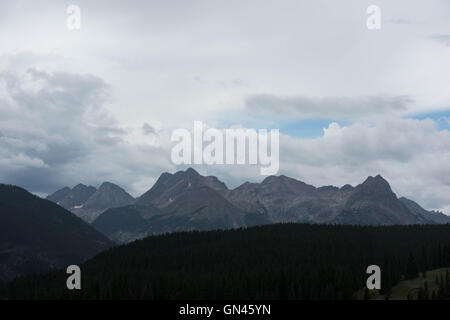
[(298, 261), (37, 234)]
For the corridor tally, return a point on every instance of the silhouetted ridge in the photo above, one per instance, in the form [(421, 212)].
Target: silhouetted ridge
[(37, 234)]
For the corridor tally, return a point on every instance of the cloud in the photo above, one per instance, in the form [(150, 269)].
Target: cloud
[(148, 129), (328, 107), (442, 38), (19, 161), (413, 155), (400, 21), (133, 61), (56, 131)]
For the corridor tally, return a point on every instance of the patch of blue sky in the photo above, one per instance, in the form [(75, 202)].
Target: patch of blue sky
[(296, 128), (441, 118), (308, 128)]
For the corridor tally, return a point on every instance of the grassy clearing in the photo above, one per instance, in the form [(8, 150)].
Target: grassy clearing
[(401, 290)]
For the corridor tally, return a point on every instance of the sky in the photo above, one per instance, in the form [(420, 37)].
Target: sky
[(100, 103)]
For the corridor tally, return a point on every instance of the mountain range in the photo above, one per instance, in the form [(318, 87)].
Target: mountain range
[(39, 234), (187, 200)]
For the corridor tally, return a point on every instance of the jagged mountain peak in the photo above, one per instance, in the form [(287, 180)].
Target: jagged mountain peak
[(281, 180), (165, 175), (214, 183), (109, 186), (59, 195), (285, 185), (347, 187), (111, 192), (274, 179), (328, 188), (84, 188), (376, 184), (191, 171), (108, 195), (245, 186), (374, 202), (169, 186), (69, 198), (375, 187), (378, 179)]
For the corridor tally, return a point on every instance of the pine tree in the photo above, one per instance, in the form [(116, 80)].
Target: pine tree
[(426, 295), (424, 262), (447, 281), (411, 267), (366, 294)]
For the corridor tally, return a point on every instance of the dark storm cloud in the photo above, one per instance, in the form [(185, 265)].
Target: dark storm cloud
[(55, 131)]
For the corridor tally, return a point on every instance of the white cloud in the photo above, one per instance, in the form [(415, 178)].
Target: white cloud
[(411, 154), (55, 131), (19, 161), (79, 113), (150, 51)]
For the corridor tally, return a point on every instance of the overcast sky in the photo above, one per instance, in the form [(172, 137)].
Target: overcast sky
[(100, 103)]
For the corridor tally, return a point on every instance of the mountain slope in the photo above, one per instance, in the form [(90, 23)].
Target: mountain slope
[(436, 217), (126, 224), (179, 202), (59, 195), (374, 203), (70, 198), (284, 199), (37, 234), (169, 186)]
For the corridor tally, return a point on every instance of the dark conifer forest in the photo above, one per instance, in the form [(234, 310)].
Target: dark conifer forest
[(284, 261)]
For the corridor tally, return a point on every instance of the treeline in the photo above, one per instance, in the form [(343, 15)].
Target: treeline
[(286, 261)]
